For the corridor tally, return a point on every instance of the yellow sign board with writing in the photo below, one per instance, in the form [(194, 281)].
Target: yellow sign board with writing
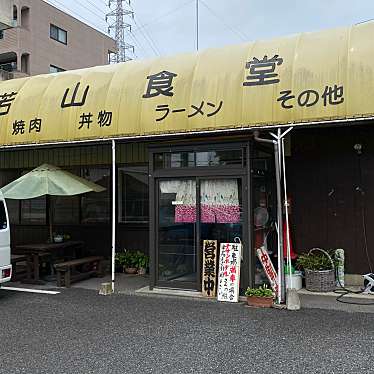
[(303, 78)]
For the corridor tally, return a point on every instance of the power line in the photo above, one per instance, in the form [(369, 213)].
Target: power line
[(67, 10), (119, 26), (149, 40), (100, 10), (138, 44), (146, 36), (241, 35), (163, 15), (91, 11)]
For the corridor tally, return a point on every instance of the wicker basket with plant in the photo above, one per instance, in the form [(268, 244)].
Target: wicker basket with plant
[(319, 270)]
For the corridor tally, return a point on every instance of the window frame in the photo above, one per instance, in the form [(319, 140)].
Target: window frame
[(58, 70), (107, 220), (130, 169), (27, 222), (58, 29)]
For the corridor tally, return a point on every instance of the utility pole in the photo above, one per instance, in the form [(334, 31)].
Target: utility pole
[(116, 21)]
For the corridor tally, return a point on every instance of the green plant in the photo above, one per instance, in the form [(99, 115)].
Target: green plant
[(262, 291), (315, 260), (143, 260), (128, 259), (119, 258)]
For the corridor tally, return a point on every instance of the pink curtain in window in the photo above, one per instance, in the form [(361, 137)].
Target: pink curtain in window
[(219, 200)]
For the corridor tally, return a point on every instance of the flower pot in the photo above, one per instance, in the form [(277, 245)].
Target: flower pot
[(260, 302), (130, 270), (142, 271)]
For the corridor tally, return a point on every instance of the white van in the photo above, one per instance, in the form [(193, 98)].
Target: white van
[(5, 265)]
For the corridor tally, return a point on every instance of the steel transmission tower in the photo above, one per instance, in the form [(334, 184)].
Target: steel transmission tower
[(116, 21)]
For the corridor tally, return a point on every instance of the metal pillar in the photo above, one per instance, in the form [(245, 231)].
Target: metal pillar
[(278, 144), (113, 211)]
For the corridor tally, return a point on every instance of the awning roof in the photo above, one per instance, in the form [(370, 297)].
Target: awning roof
[(302, 78)]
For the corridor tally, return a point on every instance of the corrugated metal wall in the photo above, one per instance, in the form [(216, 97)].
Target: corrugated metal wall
[(97, 237), (73, 156)]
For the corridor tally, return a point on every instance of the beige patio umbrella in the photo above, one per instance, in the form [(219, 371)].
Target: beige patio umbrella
[(48, 180)]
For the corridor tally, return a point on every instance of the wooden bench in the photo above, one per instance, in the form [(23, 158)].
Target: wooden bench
[(18, 272), (67, 272)]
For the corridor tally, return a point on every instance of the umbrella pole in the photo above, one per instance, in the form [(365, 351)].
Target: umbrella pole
[(113, 210)]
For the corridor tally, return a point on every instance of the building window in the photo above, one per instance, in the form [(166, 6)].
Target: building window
[(65, 209), (25, 17), (34, 211), (223, 158), (95, 206), (15, 13), (13, 207), (55, 69), (133, 203), (58, 34), (25, 63)]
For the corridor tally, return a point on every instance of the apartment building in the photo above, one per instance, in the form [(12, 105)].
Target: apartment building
[(44, 39)]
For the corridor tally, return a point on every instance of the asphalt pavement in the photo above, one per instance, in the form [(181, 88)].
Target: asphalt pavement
[(79, 331)]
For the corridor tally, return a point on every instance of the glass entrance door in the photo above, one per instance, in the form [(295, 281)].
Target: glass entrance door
[(177, 254), (221, 210), (190, 211)]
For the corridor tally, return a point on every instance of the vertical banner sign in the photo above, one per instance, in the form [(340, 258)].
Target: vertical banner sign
[(209, 268), (229, 272), (268, 266)]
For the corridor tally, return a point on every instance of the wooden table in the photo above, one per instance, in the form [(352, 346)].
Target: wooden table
[(35, 251)]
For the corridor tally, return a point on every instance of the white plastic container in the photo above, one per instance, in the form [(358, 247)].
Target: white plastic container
[(297, 281)]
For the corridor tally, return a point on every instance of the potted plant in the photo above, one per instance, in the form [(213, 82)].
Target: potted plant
[(130, 262), (119, 261), (319, 270), (260, 297), (143, 261)]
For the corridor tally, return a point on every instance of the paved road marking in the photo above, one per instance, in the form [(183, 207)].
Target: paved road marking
[(29, 290)]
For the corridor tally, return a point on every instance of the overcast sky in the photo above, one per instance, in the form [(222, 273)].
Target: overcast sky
[(166, 27)]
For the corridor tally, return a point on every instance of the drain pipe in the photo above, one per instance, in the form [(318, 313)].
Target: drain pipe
[(281, 290)]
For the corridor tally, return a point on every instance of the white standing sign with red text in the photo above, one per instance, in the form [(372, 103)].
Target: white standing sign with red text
[(229, 272), (268, 266)]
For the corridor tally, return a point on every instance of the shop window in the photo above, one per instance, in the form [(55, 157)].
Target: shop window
[(230, 157), (174, 160), (133, 203), (95, 206), (65, 209), (58, 34), (3, 220), (217, 158), (33, 211)]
